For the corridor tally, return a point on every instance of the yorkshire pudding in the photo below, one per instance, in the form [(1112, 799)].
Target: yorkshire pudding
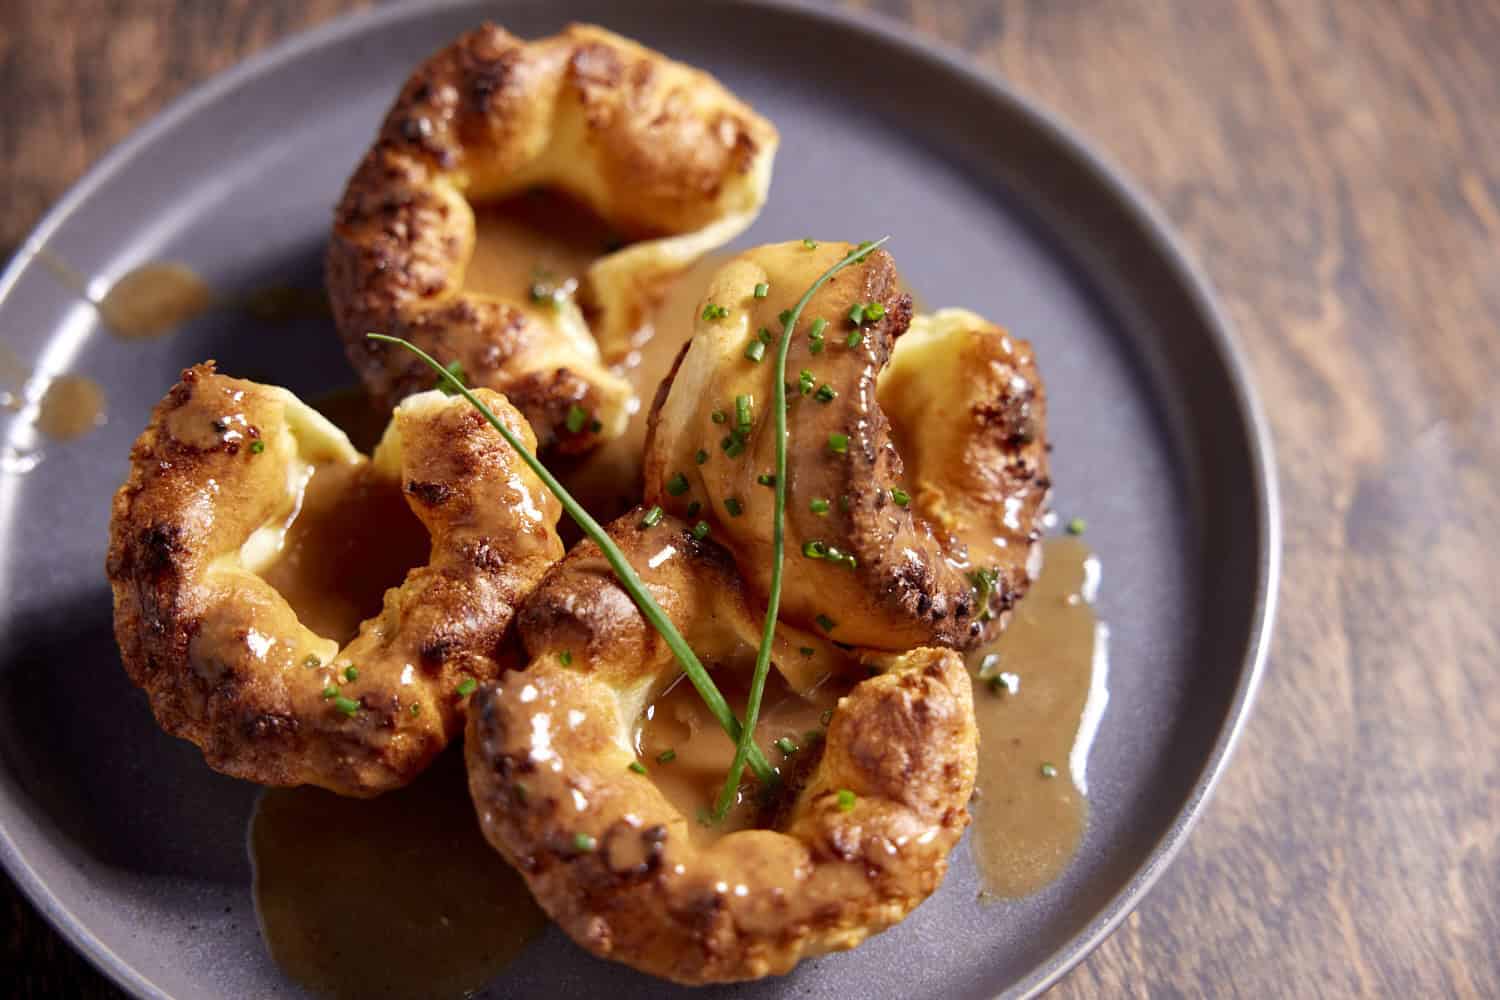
[(217, 480), (860, 838), (917, 468), (675, 164)]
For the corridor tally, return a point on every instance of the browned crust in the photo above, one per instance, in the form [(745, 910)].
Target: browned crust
[(222, 657), (910, 586), (662, 140), (641, 891)]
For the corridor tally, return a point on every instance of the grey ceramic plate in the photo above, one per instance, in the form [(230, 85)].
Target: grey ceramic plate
[(135, 850)]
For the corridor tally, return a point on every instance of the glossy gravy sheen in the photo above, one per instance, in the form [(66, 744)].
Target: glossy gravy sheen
[(397, 896), (353, 538), (1036, 724), (679, 725), (537, 238)]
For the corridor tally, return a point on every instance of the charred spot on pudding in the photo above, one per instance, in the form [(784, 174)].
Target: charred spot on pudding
[(432, 494)]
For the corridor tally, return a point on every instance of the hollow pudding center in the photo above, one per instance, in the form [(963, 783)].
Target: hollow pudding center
[(352, 539), (536, 247), (687, 754)]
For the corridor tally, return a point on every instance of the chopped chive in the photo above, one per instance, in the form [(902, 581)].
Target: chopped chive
[(764, 336), (857, 313), (733, 447), (734, 506), (466, 687), (715, 311), (762, 290), (256, 447), (838, 443), (785, 316), (638, 767), (874, 311), (584, 843), (566, 657), (701, 457), (700, 530), (677, 485), (988, 663), (1077, 526), (984, 581), (416, 709), (519, 791), (816, 346), (351, 673), (787, 745), (855, 338), (826, 393), (1048, 770), (818, 506), (805, 382), (814, 549), (1002, 684), (806, 650), (818, 326), (666, 756), (330, 692), (744, 405), (812, 736), (825, 623), (845, 504), (578, 418), (766, 479), (652, 518), (693, 509), (755, 351), (810, 243), (900, 496), (846, 800), (719, 416), (346, 705), (456, 369), (312, 662)]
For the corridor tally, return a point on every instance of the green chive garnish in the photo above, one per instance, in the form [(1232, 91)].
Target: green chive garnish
[(873, 311), (666, 756), (845, 504), (805, 382), (766, 479), (818, 326), (857, 313), (346, 705), (787, 745), (826, 719), (825, 623), (351, 673), (826, 393), (677, 485), (638, 767), (1048, 770), (566, 657), (330, 692), (806, 650), (762, 290), (256, 447), (855, 338), (810, 244), (818, 506), (456, 369), (719, 416), (715, 311), (734, 506), (312, 662), (466, 687), (1077, 526), (652, 518), (900, 496), (838, 443), (700, 530), (584, 843), (755, 351), (744, 405), (764, 336), (785, 316), (846, 800), (577, 419), (701, 456), (814, 549), (416, 709), (745, 744)]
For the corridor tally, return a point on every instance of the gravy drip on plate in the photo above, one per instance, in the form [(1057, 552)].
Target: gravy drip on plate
[(153, 300), (1038, 706), (397, 896), (352, 538), (72, 406), (679, 725)]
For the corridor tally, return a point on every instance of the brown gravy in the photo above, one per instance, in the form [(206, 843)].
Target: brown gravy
[(353, 538), (1036, 724), (679, 724), (72, 406), (13, 376), (353, 411), (608, 481), (153, 300), (397, 896), (538, 238)]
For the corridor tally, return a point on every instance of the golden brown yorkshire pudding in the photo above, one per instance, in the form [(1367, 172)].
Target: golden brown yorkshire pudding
[(662, 153), (917, 468), (220, 480), (862, 833)]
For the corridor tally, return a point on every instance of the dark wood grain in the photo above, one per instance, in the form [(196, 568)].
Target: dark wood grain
[(1335, 165)]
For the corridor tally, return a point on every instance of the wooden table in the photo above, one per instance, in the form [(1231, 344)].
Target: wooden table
[(1335, 164)]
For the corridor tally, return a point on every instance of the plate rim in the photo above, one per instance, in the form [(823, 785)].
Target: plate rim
[(1142, 213)]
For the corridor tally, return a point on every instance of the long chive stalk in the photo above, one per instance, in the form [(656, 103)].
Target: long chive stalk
[(746, 748), (626, 574)]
